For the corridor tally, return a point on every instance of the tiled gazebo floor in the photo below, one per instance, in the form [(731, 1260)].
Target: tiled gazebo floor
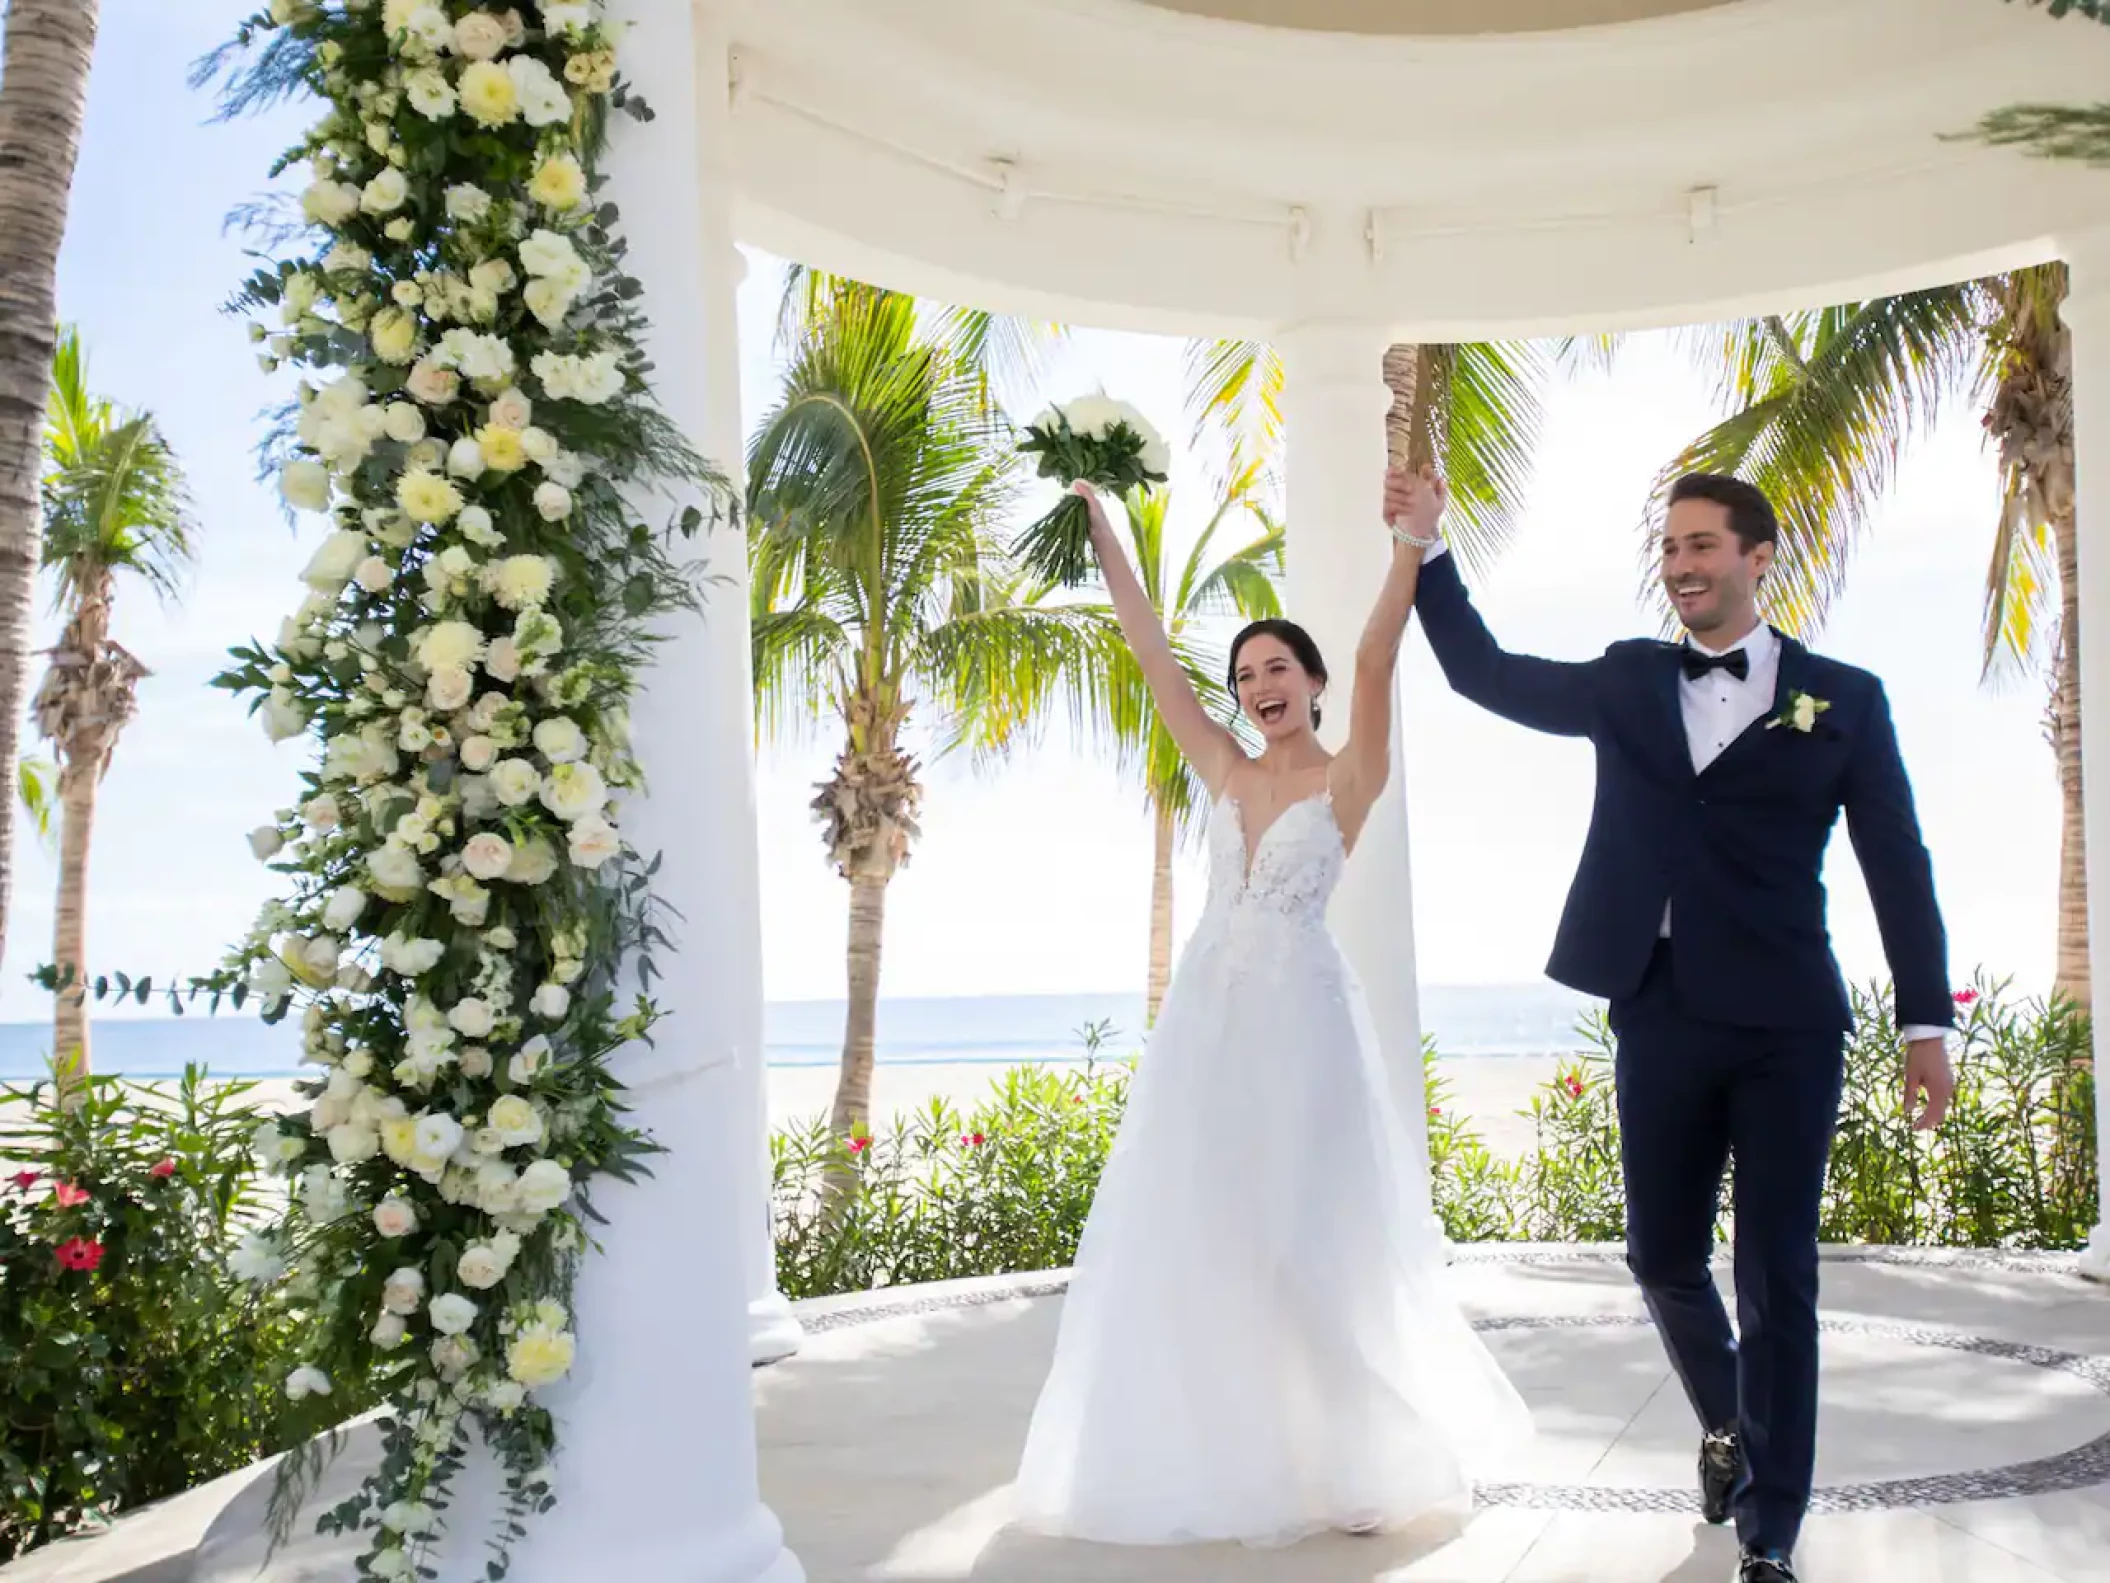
[(1966, 1439)]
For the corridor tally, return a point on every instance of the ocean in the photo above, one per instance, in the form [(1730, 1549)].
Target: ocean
[(999, 1030)]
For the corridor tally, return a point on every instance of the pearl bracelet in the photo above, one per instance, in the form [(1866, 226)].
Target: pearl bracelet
[(1405, 537)]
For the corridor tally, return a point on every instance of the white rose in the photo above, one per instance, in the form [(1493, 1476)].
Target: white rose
[(476, 1061), (330, 202), (483, 1265), (487, 856), (307, 1381), (404, 1291), (504, 1396), (572, 791), (553, 501), (319, 956), (322, 813), (352, 1143), (394, 1217), (433, 385), (466, 459), (533, 863), (593, 842), (403, 423), (543, 1186), (515, 1120), (345, 905), (395, 872), (305, 486), (479, 36), (478, 754), (472, 1017), (542, 99), (551, 1002), (266, 842), (560, 740), (467, 203), (284, 715), (529, 1060), (511, 409), (430, 94), (568, 19), (438, 1135), (449, 689), (503, 662), (515, 782), (389, 1332), (256, 1259), (451, 1314), (374, 575), (385, 193), (549, 301)]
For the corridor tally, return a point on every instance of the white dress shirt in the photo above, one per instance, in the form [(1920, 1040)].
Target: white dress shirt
[(1718, 708)]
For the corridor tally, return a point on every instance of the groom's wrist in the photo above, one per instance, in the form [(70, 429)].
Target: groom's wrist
[(1914, 1033)]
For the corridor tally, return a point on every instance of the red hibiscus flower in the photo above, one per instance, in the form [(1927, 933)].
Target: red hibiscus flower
[(973, 1140), (859, 1145), (1435, 1113), (163, 1168), (80, 1253), (70, 1196), (1575, 1086), (1966, 998), (25, 1180)]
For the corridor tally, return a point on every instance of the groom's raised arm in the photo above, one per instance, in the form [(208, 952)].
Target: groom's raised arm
[(1557, 696)]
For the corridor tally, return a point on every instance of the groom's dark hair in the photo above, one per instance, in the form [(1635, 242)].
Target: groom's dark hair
[(1750, 512)]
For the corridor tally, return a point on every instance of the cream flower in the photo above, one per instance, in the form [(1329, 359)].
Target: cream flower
[(521, 582), (478, 754), (395, 873), (515, 782), (534, 863), (433, 385), (551, 1002), (284, 715), (560, 740), (472, 1017), (322, 814), (552, 502), (540, 1355), (394, 333), (266, 843), (449, 645), (468, 203), (542, 99), (427, 497), (451, 1314), (306, 1381), (487, 856), (385, 193), (403, 1291), (504, 660), (389, 1332), (543, 1186), (559, 183), (430, 94), (593, 841), (511, 409), (449, 689), (374, 575), (515, 1120), (305, 486), (334, 561), (394, 1217), (488, 94), (330, 202), (342, 910), (479, 36), (572, 791)]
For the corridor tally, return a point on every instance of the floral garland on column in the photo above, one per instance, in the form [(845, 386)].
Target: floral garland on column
[(460, 903)]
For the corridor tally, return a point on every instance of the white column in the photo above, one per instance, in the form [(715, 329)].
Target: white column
[(2087, 316), (1334, 404), (656, 1465)]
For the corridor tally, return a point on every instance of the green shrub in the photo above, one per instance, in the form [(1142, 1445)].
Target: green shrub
[(131, 1366)]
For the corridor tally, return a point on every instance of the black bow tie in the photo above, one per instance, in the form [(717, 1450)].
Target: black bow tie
[(1697, 663)]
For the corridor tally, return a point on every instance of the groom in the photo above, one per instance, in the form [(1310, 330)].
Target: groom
[(1698, 912)]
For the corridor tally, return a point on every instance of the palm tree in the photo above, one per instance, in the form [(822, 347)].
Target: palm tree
[(1471, 408), (44, 64), (1823, 403), (114, 502), (876, 485), (1240, 582)]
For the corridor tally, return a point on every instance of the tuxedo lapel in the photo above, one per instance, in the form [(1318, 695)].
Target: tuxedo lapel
[(1666, 712), (1792, 672)]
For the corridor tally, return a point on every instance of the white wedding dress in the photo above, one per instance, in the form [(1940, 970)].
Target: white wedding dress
[(1256, 1343)]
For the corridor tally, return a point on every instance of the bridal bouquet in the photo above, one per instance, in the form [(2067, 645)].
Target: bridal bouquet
[(1107, 444)]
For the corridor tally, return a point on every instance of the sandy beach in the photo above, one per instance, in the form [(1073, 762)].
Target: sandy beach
[(1490, 1090)]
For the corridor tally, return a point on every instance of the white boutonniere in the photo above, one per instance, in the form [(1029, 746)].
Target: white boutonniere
[(1801, 713)]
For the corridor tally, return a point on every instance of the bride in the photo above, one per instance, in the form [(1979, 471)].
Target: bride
[(1256, 1343)]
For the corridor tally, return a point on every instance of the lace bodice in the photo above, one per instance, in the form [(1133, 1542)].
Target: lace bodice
[(1294, 865)]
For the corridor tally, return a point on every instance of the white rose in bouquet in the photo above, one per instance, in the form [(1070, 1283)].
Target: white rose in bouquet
[(560, 740), (335, 560), (543, 1186), (284, 715), (487, 856), (593, 841), (534, 863), (394, 1217), (404, 1291), (572, 791), (1094, 440), (345, 905), (451, 1314), (305, 486)]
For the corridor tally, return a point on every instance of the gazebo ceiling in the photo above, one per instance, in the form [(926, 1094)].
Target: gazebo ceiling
[(1433, 16), (1121, 162)]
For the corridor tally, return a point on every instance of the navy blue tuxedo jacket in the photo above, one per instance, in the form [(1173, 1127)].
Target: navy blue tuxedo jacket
[(1736, 849)]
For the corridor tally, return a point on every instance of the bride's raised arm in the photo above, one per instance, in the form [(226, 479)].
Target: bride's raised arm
[(1210, 748), (1365, 760)]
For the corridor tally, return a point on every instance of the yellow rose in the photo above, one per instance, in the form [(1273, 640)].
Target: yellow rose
[(559, 183), (395, 336), (427, 497), (540, 1355), (487, 94), (399, 1139), (503, 452)]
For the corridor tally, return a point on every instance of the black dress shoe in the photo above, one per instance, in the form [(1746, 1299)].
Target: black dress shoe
[(1721, 1465), (1765, 1566)]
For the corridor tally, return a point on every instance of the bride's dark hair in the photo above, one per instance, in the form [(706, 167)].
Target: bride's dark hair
[(1290, 636)]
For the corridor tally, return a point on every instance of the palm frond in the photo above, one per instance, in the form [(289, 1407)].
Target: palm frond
[(1489, 410), (1234, 398), (1825, 401)]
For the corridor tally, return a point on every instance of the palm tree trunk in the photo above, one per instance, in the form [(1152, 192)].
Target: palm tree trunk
[(2071, 979), (853, 1087), (1410, 429), (1160, 915), (70, 934), (43, 100)]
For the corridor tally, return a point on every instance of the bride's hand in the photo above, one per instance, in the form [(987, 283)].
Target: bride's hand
[(1414, 502), (1090, 496)]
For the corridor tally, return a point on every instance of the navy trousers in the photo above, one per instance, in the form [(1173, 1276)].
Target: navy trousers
[(1692, 1093)]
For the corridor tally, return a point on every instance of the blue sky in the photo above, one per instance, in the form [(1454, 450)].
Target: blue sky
[(1033, 878)]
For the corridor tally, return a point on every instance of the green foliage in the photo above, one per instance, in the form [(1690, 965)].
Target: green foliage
[(2055, 131), (132, 1364), (1006, 1186)]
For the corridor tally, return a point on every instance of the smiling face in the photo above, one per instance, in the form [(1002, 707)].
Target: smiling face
[(1275, 691), (1711, 578)]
